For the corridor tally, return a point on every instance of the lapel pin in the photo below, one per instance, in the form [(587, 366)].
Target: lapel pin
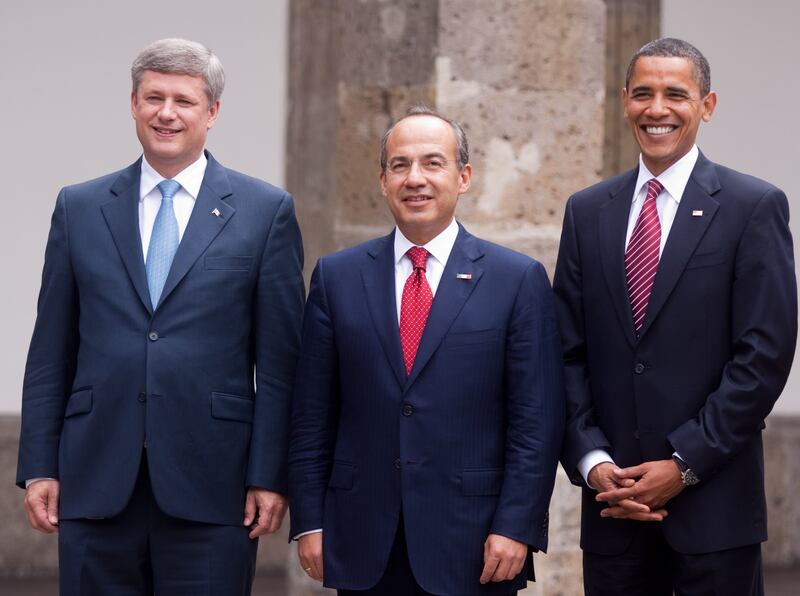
[(466, 276), (697, 213), (216, 212)]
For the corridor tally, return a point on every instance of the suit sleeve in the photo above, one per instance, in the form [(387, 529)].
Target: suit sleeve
[(278, 314), (535, 413), (582, 434), (52, 356), (764, 332), (314, 412)]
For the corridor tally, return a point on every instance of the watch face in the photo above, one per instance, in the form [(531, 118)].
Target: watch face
[(689, 478)]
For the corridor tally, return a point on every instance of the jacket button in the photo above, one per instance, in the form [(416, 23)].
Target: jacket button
[(397, 464), (153, 336), (407, 410), (142, 397), (639, 368)]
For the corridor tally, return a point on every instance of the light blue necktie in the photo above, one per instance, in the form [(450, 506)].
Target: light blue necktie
[(163, 241)]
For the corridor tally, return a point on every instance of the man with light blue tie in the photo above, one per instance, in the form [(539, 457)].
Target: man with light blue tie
[(157, 388)]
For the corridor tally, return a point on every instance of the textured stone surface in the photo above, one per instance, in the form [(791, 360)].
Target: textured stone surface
[(782, 469)]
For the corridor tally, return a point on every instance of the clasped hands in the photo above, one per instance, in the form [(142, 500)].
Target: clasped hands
[(503, 558), (639, 492)]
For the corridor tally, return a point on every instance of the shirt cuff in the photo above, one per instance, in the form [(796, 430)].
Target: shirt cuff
[(590, 460), (32, 480), (299, 536)]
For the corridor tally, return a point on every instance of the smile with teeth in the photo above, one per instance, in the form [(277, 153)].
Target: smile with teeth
[(165, 131), (659, 130), (416, 199)]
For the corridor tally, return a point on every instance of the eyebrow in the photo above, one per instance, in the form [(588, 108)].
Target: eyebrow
[(426, 156), (670, 89)]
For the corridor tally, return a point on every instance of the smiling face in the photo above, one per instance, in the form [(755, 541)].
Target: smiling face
[(421, 181), (664, 108), (172, 119)]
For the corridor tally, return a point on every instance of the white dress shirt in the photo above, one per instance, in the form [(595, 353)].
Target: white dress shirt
[(190, 179), (674, 180), (439, 248)]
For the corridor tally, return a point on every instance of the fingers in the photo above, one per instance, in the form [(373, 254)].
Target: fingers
[(621, 513), (249, 508), (269, 509), (309, 551), (618, 495), (503, 558), (41, 505), (632, 472)]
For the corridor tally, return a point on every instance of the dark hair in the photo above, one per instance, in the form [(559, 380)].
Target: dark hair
[(669, 47), (462, 147)]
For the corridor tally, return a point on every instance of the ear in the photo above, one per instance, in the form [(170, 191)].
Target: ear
[(133, 105), (624, 96), (382, 177), (465, 179), (709, 103), (213, 113)]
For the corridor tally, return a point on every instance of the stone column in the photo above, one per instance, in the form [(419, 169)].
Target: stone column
[(526, 78)]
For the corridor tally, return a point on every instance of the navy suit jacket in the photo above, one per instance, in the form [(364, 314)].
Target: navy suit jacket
[(107, 373), (712, 358), (466, 445)]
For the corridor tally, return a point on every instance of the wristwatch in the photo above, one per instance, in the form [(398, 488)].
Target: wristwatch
[(688, 477)]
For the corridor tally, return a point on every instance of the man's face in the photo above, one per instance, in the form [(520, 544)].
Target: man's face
[(172, 119), (421, 181), (664, 108)]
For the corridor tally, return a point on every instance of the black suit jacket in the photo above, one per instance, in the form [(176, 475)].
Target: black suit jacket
[(204, 378), (712, 358)]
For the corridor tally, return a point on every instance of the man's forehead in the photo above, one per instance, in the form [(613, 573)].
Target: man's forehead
[(421, 134), (664, 67)]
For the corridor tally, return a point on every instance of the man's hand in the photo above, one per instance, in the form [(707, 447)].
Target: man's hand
[(657, 482), (263, 511), (503, 558), (41, 505), (309, 551), (603, 479)]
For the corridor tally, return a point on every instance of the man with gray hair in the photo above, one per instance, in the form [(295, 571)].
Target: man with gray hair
[(156, 396), (677, 303)]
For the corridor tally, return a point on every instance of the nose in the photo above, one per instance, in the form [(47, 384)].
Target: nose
[(415, 177), (658, 106), (167, 111)]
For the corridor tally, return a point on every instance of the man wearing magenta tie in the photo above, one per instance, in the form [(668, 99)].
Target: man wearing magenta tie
[(428, 410), (678, 310)]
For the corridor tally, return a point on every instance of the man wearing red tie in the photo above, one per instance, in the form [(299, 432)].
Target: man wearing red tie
[(678, 310), (428, 410)]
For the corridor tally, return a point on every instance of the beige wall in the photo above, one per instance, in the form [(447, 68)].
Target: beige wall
[(64, 94), (753, 48)]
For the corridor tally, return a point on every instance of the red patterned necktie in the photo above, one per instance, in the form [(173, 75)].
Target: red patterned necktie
[(641, 256), (414, 308)]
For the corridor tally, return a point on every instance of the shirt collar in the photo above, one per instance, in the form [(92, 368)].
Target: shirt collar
[(674, 179), (190, 178), (440, 246)]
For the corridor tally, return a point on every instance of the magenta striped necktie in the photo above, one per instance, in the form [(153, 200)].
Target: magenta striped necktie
[(641, 256)]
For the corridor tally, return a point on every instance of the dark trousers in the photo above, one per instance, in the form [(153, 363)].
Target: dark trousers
[(398, 578), (142, 552), (651, 568)]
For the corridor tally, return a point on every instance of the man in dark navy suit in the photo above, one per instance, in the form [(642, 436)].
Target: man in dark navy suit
[(677, 302), (428, 409), (157, 390)]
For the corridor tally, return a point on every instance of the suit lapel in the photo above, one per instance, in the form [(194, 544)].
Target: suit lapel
[(685, 234), (377, 276), (450, 297), (204, 224), (612, 227), (122, 217)]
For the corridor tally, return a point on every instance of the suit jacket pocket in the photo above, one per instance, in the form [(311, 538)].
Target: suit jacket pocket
[(479, 482), (80, 402), (707, 259), (228, 263), (470, 338), (342, 476), (231, 407)]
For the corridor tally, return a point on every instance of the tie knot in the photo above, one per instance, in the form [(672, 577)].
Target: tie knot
[(168, 188), (418, 256), (654, 188)]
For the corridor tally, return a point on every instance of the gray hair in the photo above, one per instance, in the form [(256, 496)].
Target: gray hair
[(181, 56), (462, 146), (669, 47)]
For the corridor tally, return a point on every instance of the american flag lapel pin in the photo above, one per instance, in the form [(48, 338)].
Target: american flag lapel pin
[(216, 213), (467, 276), (697, 213)]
